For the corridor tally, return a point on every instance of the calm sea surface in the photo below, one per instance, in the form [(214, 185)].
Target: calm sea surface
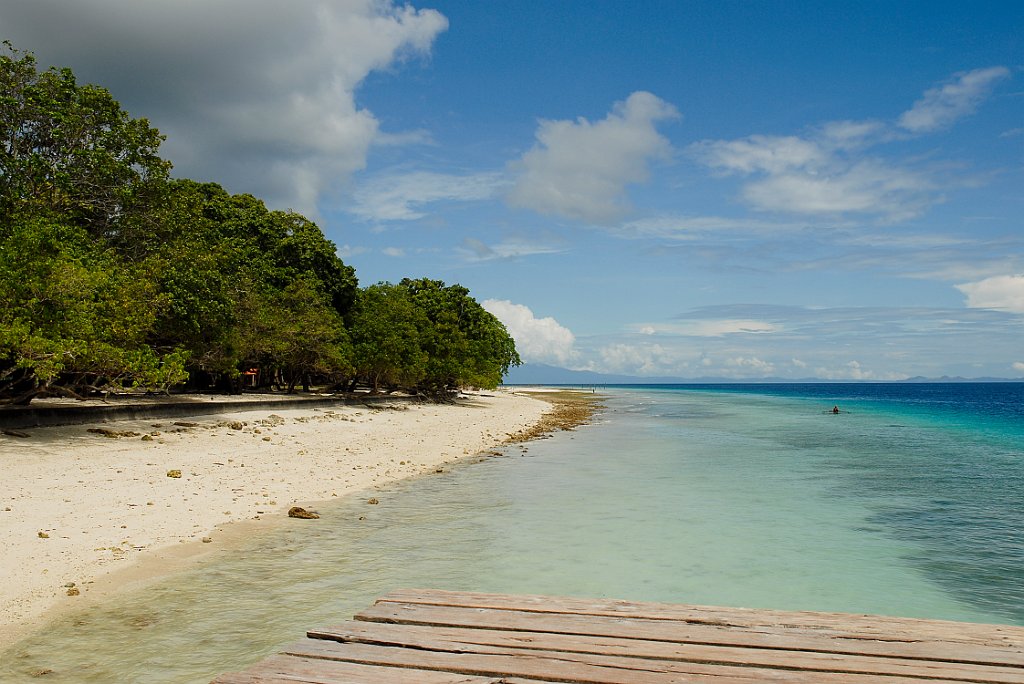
[(909, 502)]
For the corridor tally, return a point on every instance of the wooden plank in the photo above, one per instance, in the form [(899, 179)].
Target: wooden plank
[(838, 624), (539, 667), (286, 669), (766, 637), (513, 643)]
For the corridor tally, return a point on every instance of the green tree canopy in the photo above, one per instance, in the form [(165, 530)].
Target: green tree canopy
[(112, 274), (72, 150)]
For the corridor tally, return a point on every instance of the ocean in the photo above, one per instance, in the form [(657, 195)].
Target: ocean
[(909, 501)]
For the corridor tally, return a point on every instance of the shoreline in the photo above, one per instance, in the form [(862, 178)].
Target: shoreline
[(98, 513)]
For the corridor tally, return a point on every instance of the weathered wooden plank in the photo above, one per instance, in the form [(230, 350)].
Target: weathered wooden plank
[(540, 666), (286, 669), (576, 668), (455, 639), (840, 624), (767, 637)]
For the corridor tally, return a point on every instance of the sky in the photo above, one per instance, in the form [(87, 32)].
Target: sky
[(732, 189)]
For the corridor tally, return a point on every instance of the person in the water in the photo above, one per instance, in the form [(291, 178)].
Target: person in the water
[(835, 409)]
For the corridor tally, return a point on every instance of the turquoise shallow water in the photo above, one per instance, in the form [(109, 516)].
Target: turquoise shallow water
[(906, 504)]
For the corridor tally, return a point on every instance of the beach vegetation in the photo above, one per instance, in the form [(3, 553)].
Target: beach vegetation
[(115, 275)]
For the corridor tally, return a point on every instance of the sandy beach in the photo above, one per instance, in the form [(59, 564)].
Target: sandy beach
[(82, 503)]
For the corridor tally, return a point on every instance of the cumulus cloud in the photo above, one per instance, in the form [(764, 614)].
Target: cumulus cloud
[(538, 340), (1005, 293), (770, 154), (747, 364), (640, 359), (255, 94), (807, 176), (829, 172), (401, 197), (580, 170), (942, 106), (1018, 366)]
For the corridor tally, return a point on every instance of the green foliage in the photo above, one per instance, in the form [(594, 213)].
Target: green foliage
[(294, 330), (112, 274), (386, 329), (465, 344), (72, 150), (70, 312)]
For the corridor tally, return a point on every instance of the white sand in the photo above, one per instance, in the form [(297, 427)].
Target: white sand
[(107, 503)]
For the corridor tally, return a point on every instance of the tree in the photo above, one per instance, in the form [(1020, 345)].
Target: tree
[(295, 331), (465, 344), (72, 318), (386, 328), (71, 150)]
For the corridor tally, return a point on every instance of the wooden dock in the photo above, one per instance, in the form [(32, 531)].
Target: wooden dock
[(438, 637)]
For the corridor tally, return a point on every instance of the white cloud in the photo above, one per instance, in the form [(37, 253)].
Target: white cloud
[(854, 371), (691, 227), (580, 170), (393, 251), (640, 359), (819, 177), (940, 107), (538, 340), (1018, 366), (866, 187), (255, 94), (709, 328), (476, 250), (769, 154), (828, 173), (751, 364), (400, 197), (1005, 292), (852, 134), (347, 251)]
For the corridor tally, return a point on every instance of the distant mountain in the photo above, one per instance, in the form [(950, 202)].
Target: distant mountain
[(543, 374)]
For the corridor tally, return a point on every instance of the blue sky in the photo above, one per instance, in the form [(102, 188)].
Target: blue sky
[(736, 189)]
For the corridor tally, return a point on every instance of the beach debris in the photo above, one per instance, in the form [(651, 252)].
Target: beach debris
[(73, 591), (182, 423), (299, 512), (174, 473), (147, 438), (43, 535), (373, 501), (236, 425), (112, 434), (41, 672), (15, 433), (206, 540)]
